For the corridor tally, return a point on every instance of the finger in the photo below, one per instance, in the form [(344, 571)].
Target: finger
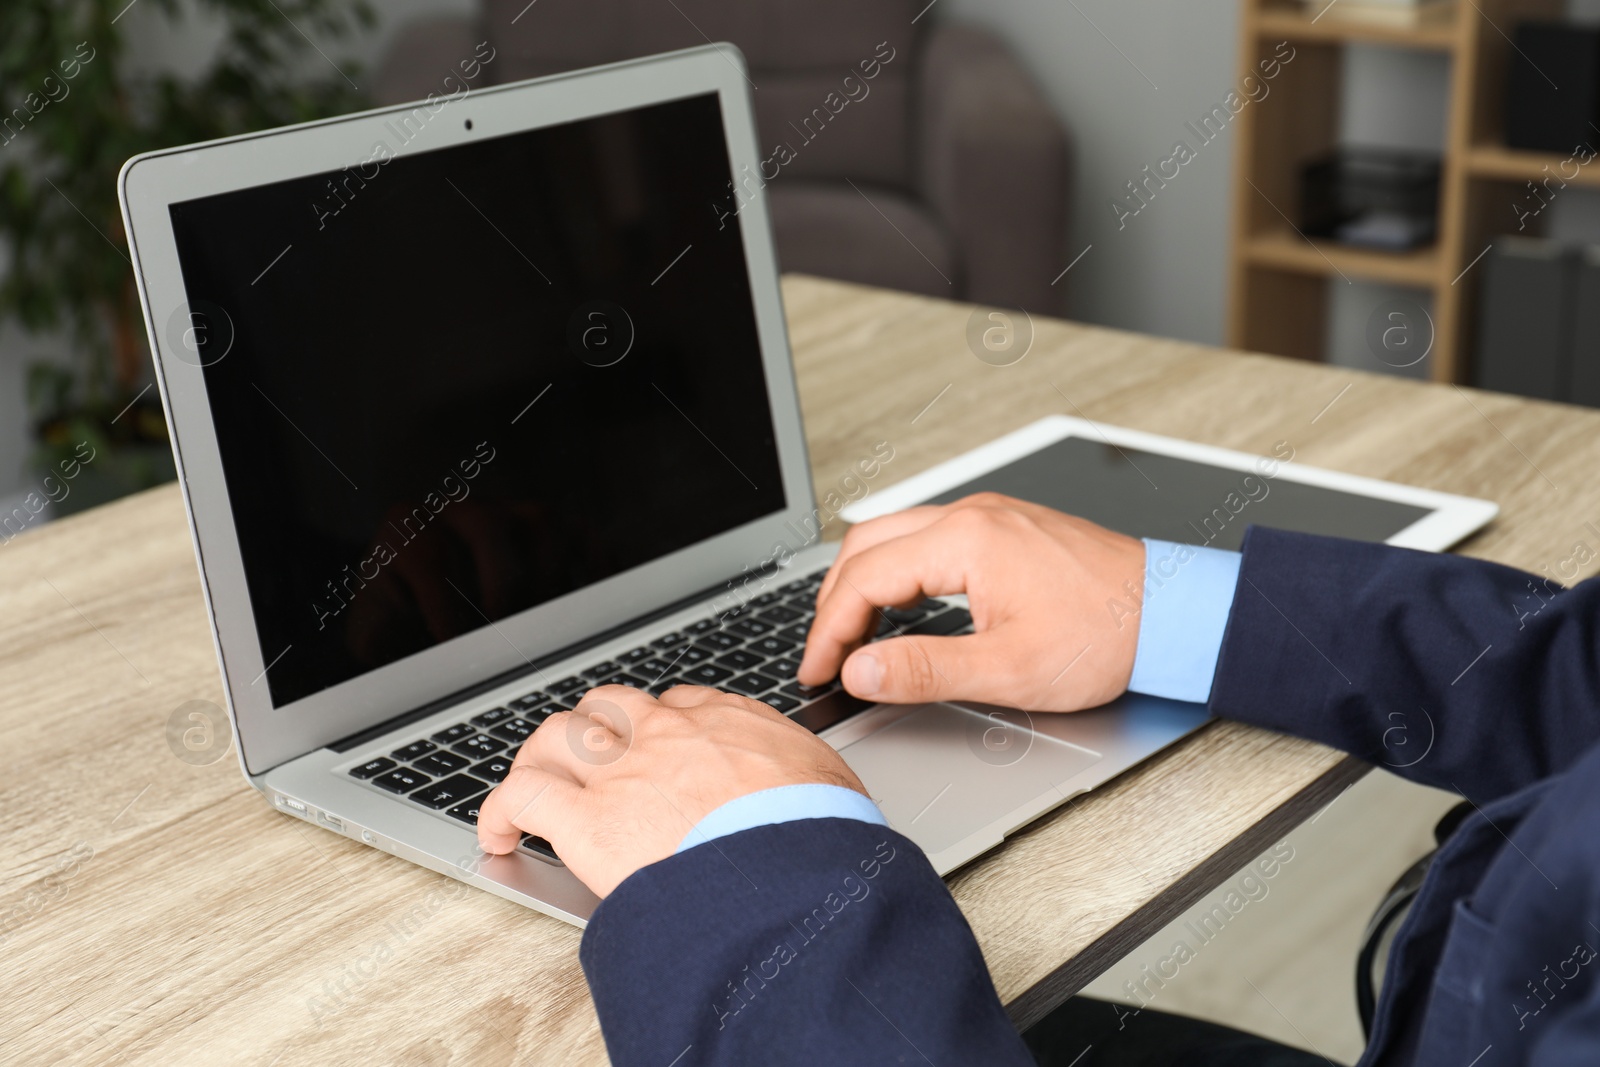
[(619, 707), (687, 696), (694, 697), (529, 800), (875, 532), (911, 670), (926, 563), (561, 746)]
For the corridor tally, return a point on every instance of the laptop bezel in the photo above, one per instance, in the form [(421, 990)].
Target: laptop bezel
[(267, 736)]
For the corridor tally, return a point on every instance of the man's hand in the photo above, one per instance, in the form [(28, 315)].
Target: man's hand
[(619, 781), (1039, 584)]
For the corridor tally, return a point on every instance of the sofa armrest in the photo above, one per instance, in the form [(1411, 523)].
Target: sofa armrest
[(995, 165), (423, 54)]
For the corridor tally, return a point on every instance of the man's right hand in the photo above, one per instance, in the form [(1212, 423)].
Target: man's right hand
[(1054, 603)]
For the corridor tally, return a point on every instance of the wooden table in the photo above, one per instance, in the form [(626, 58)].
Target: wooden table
[(155, 912)]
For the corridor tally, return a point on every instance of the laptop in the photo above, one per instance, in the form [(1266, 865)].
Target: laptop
[(480, 402)]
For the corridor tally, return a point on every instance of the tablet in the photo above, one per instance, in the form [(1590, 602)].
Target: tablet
[(1146, 485)]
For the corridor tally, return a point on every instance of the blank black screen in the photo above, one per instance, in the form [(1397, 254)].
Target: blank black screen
[(413, 369), (1143, 494)]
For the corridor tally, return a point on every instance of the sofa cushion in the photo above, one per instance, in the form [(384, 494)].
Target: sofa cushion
[(833, 230), (806, 66)]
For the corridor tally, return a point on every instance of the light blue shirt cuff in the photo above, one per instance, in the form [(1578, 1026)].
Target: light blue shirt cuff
[(1188, 593), (786, 803)]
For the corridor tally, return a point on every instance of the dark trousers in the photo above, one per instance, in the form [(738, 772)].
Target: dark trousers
[(1117, 1036)]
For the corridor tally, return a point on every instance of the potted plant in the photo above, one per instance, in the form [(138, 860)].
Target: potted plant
[(72, 113)]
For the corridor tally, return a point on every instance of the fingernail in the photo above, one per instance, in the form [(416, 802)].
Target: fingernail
[(864, 674)]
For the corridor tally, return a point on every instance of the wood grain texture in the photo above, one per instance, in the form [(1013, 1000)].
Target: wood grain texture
[(153, 912)]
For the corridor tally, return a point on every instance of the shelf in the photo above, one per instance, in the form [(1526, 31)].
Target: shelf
[(1516, 164), (1287, 250), (1436, 31)]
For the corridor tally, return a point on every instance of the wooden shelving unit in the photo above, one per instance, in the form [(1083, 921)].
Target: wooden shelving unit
[(1278, 278)]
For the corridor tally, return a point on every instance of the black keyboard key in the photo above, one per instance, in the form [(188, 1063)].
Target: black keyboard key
[(516, 730), (600, 670), (372, 767), (916, 613), (530, 700), (766, 600), (492, 770), (741, 660), (467, 811), (810, 581), (653, 668), (482, 745), (750, 685), (449, 792), (455, 733), (706, 674), (783, 669), (402, 781), (415, 750), (796, 633), (688, 657), (809, 692), (751, 628), (771, 646), (704, 626), (568, 686), (440, 764), (620, 678), (633, 656), (492, 716), (720, 641), (780, 702), (538, 844), (661, 686), (672, 640), (831, 710), (782, 616), (946, 622), (540, 714)]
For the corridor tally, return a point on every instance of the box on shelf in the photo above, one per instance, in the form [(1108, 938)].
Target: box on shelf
[(1372, 197), (1539, 116), (1539, 320)]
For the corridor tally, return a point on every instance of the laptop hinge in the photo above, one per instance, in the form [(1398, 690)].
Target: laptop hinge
[(731, 585)]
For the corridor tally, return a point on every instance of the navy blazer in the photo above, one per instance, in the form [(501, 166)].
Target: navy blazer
[(828, 941)]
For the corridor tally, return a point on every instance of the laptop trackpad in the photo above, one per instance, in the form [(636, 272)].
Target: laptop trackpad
[(945, 771)]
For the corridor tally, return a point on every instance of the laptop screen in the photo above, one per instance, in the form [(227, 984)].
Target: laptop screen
[(451, 386)]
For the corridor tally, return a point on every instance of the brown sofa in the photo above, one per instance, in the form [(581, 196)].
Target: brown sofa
[(944, 173)]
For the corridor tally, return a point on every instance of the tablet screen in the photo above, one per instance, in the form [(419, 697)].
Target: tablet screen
[(1145, 494)]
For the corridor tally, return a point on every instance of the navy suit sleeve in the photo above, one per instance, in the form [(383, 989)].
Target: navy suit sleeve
[(1453, 672), (814, 941)]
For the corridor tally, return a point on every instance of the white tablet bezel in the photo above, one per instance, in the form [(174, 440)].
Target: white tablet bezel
[(267, 735), (1450, 519)]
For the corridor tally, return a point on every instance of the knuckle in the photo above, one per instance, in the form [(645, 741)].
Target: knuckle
[(921, 679), (986, 499)]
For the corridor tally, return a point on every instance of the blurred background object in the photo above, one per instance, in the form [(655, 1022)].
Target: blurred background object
[(911, 156), (1553, 99), (76, 109)]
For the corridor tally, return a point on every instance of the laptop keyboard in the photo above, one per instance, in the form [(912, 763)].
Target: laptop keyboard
[(754, 651)]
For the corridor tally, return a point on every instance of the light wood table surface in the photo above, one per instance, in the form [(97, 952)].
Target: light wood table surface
[(159, 913)]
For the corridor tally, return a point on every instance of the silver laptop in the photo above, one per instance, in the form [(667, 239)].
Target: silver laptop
[(481, 402)]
